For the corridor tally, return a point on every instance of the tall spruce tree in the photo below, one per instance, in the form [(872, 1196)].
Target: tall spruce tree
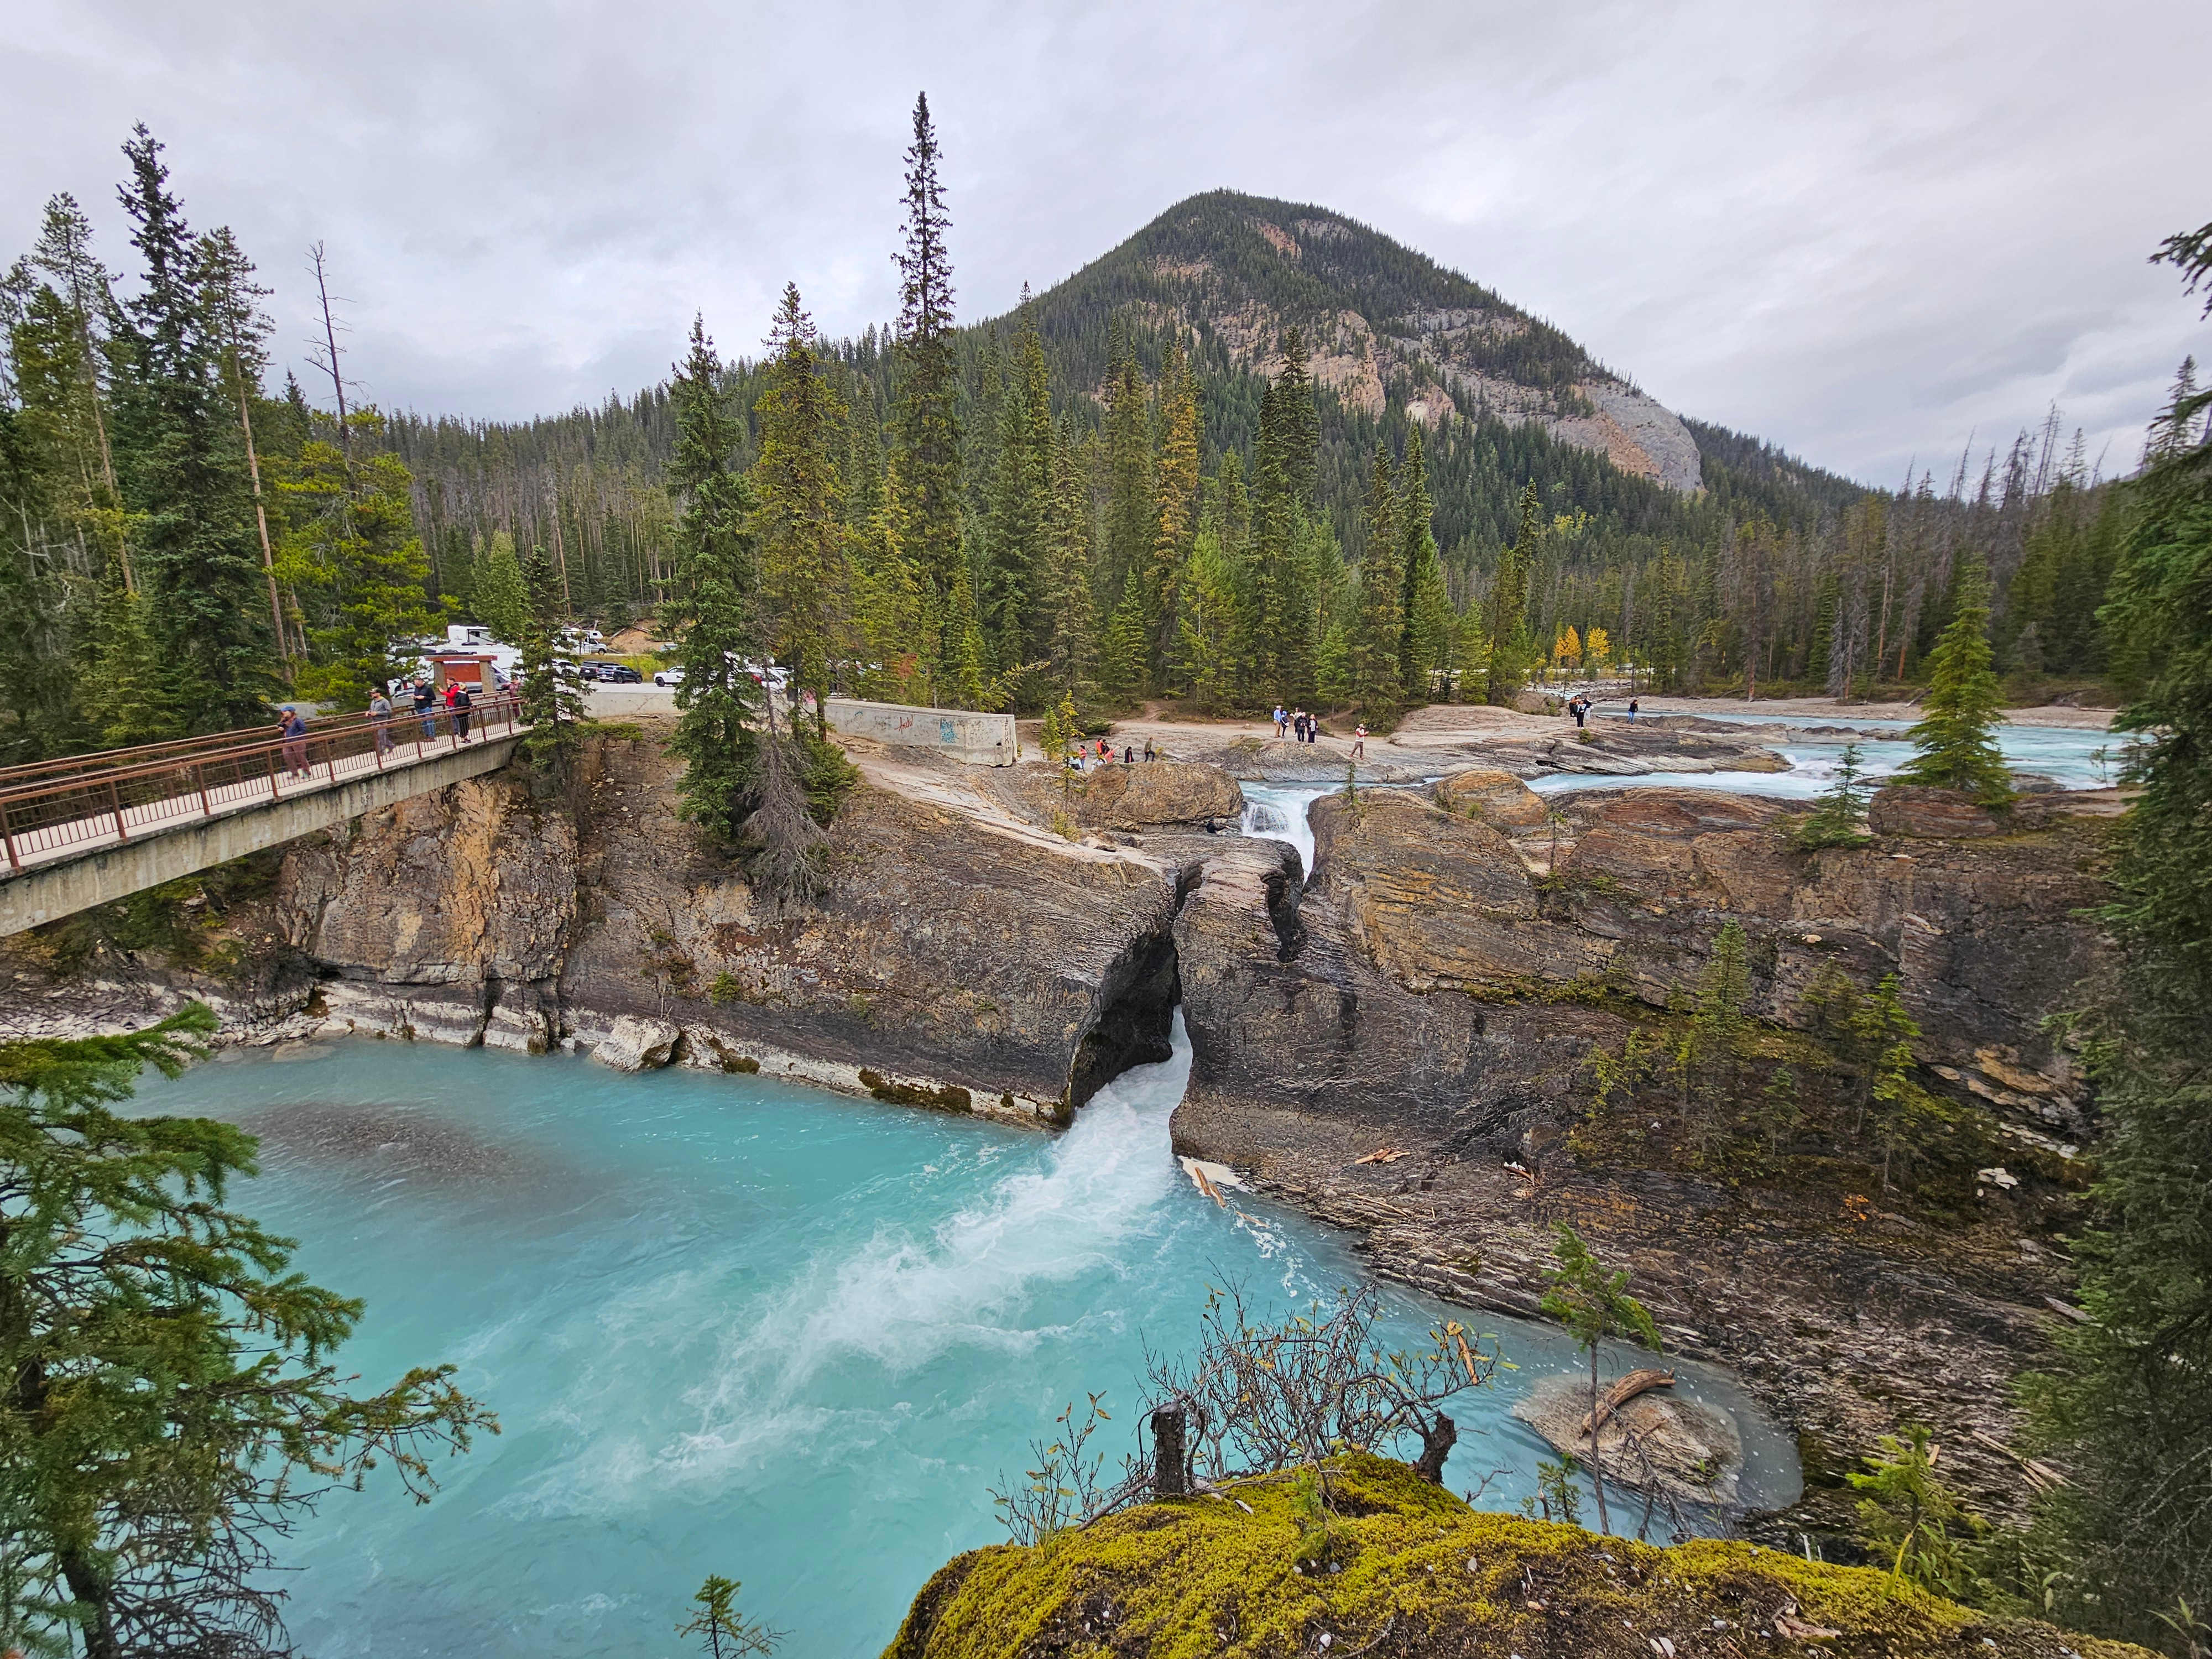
[(1070, 646), (2131, 1410), (1372, 642), (1954, 741), (1131, 504), (713, 598), (1429, 625), (187, 481), (172, 1405), (1284, 615), (1511, 648), (352, 525), (926, 457), (1174, 526), (798, 505), (499, 598), (232, 299), (1021, 505)]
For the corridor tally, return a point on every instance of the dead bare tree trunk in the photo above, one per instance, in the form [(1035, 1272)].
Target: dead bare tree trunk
[(1170, 1453), (1438, 1440)]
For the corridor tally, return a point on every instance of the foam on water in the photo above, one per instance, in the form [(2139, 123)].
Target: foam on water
[(1278, 812), (740, 1326)]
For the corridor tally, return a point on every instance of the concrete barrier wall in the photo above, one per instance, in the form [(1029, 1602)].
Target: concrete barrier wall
[(47, 892), (978, 739), (963, 734)]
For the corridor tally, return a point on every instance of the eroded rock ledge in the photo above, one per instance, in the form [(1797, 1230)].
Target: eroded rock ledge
[(1438, 988)]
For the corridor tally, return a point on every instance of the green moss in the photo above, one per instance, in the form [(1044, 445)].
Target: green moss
[(1411, 1568), (947, 1099)]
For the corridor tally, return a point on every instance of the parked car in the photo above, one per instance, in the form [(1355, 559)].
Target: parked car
[(668, 677), (613, 673)]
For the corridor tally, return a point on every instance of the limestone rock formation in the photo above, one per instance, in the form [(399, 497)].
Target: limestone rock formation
[(1495, 797), (1429, 991), (1927, 814), (1141, 796), (951, 963), (633, 1044)]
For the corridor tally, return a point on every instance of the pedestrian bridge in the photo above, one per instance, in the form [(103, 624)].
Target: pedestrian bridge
[(88, 829)]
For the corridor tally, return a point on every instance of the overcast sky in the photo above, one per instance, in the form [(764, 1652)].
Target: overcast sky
[(1861, 230)]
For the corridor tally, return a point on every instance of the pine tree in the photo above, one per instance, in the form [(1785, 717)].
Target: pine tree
[(358, 518), (187, 477), (1594, 1306), (2130, 1410), (967, 658), (499, 598), (1378, 632), (174, 1404), (1963, 708), (1070, 645), (890, 610), (1121, 659), (927, 458), (1510, 651), (1839, 818), (1175, 515), (1207, 607), (1284, 615), (799, 506), (133, 698), (552, 685), (1429, 622), (713, 598), (232, 301), (1021, 508), (83, 302), (1132, 506)]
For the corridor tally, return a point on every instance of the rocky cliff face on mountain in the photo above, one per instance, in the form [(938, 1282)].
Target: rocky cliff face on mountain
[(1384, 323)]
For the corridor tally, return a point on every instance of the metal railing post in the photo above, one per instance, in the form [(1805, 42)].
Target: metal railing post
[(8, 835), (115, 801), (199, 774)]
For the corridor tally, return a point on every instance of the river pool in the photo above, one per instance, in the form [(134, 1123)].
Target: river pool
[(742, 1327)]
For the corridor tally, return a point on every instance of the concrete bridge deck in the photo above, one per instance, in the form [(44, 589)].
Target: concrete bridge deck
[(64, 865)]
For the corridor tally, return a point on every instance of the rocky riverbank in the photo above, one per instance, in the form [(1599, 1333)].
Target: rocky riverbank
[(1403, 1046)]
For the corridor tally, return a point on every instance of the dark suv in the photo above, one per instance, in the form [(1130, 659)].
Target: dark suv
[(614, 673)]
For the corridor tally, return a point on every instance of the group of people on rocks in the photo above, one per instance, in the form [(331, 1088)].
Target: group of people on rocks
[(1297, 726), (1582, 703), (1101, 753)]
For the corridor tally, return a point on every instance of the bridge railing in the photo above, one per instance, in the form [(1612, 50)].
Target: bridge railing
[(116, 795)]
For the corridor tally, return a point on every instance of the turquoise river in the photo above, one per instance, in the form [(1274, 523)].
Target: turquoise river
[(740, 1326)]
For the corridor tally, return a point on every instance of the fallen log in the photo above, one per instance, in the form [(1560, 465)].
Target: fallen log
[(1620, 1393)]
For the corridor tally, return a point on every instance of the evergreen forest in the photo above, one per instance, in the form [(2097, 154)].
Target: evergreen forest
[(1140, 484)]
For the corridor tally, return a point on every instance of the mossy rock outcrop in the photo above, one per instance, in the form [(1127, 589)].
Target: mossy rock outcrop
[(1411, 1571)]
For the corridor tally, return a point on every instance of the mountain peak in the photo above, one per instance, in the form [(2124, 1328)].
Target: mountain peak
[(1386, 324)]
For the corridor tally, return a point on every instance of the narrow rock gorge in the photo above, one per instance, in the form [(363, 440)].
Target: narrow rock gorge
[(1402, 1045)]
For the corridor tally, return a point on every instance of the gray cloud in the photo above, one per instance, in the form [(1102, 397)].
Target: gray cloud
[(1862, 230)]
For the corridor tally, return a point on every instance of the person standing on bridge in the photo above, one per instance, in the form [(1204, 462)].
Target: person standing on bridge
[(461, 703), (379, 709), (293, 728), (426, 707)]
